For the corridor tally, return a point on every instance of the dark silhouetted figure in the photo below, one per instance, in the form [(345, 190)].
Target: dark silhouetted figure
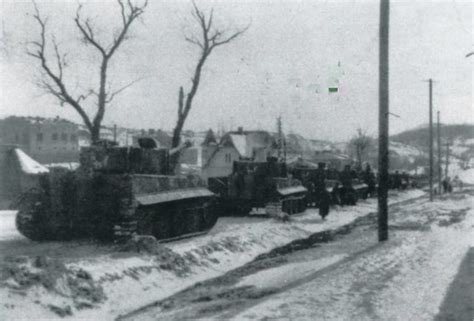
[(322, 195), (397, 180), (369, 179), (348, 195)]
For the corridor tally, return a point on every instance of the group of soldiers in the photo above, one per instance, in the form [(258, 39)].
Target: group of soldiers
[(342, 191)]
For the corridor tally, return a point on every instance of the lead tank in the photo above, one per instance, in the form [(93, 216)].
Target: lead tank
[(115, 193)]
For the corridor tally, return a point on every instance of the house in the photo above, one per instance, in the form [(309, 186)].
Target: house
[(331, 158), (208, 158), (44, 139), (122, 136), (254, 145)]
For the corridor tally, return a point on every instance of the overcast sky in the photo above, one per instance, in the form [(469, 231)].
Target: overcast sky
[(283, 65)]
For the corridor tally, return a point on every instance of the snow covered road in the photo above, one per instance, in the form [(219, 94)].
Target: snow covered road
[(353, 277), (133, 280)]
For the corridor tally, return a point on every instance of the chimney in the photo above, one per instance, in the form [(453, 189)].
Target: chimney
[(240, 129)]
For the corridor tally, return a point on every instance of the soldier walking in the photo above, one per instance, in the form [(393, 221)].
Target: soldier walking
[(347, 191), (324, 198)]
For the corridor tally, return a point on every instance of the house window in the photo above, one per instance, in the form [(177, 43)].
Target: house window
[(228, 158), (64, 137), (17, 138), (39, 137), (73, 138), (54, 136)]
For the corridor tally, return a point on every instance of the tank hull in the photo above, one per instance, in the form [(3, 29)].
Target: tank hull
[(239, 200), (114, 207)]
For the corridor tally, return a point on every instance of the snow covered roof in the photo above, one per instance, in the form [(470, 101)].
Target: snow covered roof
[(71, 165), (240, 143), (300, 162), (29, 165)]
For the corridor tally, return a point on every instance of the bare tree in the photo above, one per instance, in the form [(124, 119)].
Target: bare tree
[(53, 70), (360, 144), (208, 39)]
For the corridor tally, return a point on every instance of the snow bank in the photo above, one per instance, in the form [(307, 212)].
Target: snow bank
[(133, 280), (29, 165)]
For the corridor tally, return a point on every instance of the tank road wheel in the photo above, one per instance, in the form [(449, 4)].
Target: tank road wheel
[(179, 220), (27, 220), (290, 206), (194, 217), (209, 217), (286, 207), (243, 208), (162, 224), (295, 206), (302, 205), (25, 225), (145, 221), (299, 205)]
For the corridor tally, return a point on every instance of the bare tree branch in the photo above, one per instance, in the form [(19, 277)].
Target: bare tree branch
[(53, 82), (134, 12), (118, 91), (87, 31), (216, 42), (208, 39), (122, 10), (193, 40)]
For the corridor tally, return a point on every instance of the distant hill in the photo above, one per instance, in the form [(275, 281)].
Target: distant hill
[(460, 138), (449, 133)]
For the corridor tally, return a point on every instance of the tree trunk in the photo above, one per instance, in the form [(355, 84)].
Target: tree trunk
[(175, 141), (95, 134)]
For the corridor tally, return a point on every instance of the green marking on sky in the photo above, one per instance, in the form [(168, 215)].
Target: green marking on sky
[(333, 89)]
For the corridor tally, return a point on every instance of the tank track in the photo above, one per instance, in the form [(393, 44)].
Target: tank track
[(167, 221), (30, 204), (294, 204)]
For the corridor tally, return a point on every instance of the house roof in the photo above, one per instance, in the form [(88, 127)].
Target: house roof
[(326, 155), (247, 141), (27, 164), (240, 143), (299, 162)]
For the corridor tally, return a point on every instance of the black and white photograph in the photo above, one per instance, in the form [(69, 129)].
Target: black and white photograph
[(244, 160)]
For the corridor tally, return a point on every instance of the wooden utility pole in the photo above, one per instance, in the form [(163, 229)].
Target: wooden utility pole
[(447, 160), (431, 139), (383, 121), (439, 154), (281, 148)]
